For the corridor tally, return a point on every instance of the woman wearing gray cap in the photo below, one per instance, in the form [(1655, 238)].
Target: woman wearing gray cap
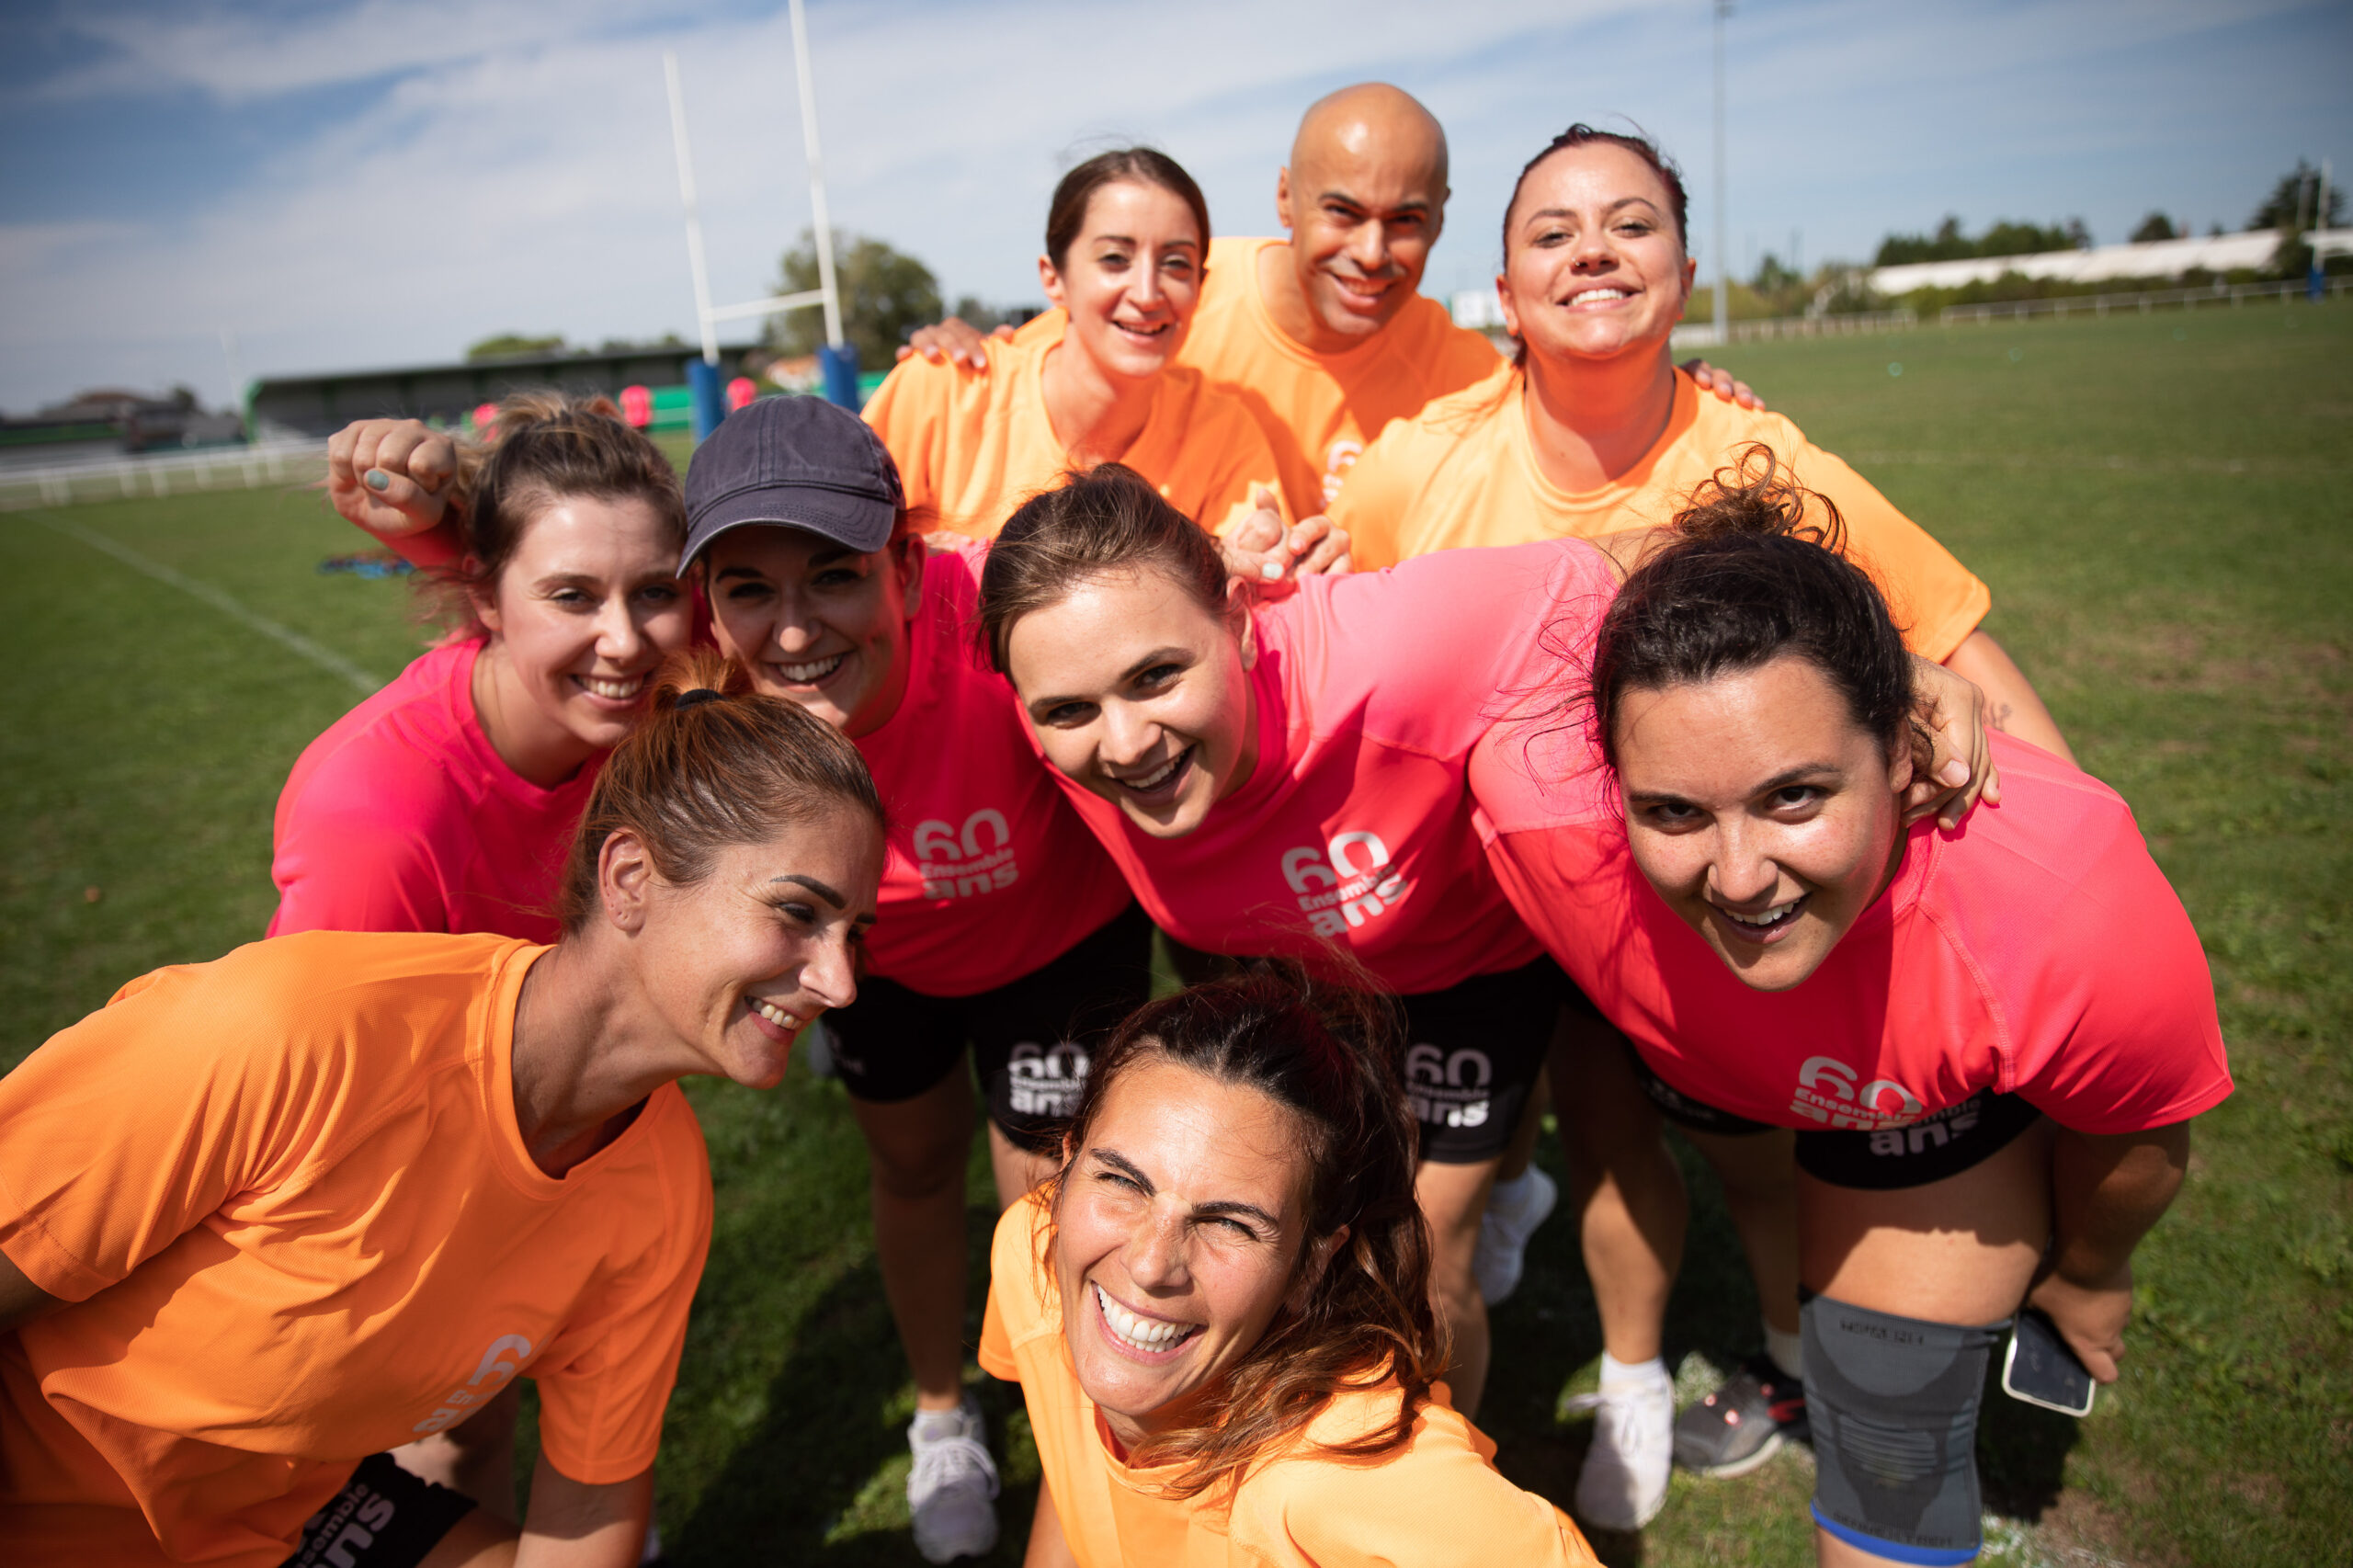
[(1003, 927)]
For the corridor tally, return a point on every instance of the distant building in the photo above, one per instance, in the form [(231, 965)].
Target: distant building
[(107, 421), (322, 405), (2217, 254)]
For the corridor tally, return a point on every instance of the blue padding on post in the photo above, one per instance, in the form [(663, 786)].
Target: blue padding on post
[(1929, 1556), (838, 366), (703, 395)]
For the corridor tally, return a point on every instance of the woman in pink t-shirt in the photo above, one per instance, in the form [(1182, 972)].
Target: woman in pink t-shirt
[(445, 802), (1988, 1040)]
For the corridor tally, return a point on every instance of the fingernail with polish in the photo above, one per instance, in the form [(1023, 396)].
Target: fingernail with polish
[(379, 480), (1269, 570)]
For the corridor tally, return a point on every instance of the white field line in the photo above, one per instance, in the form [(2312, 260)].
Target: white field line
[(333, 663)]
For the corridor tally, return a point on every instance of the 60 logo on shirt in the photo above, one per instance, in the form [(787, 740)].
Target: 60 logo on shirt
[(1344, 892), (954, 864)]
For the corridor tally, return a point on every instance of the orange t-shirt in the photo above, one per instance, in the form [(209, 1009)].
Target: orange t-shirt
[(1464, 473), (288, 1196), (1318, 410), (973, 447), (1438, 1501)]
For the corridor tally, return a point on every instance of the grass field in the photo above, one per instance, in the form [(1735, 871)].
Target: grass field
[(2161, 506)]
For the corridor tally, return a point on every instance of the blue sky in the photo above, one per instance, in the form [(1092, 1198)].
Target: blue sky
[(344, 183)]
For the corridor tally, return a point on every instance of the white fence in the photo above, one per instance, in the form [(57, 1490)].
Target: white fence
[(1702, 334), (164, 474), (2143, 300)]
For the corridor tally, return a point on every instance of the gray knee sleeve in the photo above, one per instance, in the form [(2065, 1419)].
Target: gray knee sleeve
[(1893, 1405)]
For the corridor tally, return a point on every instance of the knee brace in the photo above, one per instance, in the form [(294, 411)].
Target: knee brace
[(1893, 1405)]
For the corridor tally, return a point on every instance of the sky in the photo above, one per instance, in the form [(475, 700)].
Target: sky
[(344, 184)]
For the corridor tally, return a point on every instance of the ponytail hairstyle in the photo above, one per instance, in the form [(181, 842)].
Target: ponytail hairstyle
[(544, 446), (1329, 1055), (1751, 578), (1066, 214), (1107, 521), (712, 764)]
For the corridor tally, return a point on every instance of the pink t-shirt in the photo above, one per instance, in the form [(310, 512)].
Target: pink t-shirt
[(1354, 827), (990, 876), (403, 817), (2036, 950)]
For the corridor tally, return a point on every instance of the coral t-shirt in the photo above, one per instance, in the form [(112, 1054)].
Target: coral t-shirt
[(289, 1196), (972, 448), (2035, 951), (403, 816), (1355, 824), (1319, 411), (1463, 472), (1437, 1500), (990, 874)]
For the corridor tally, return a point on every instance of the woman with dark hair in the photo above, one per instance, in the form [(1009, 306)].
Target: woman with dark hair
[(265, 1218), (1219, 1310), (1127, 245), (1986, 1040)]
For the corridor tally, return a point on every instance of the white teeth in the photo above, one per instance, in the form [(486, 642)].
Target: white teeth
[(615, 689), (1141, 1332), (777, 1016), (803, 674), (1766, 918), (1598, 294), (1155, 780)]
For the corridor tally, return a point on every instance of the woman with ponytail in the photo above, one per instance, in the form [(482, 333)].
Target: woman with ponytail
[(1219, 1308), (1985, 1040), (265, 1218)]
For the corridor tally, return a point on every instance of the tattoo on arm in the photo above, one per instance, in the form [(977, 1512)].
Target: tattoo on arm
[(2000, 719)]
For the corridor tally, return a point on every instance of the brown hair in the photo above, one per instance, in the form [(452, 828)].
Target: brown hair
[(1108, 519), (1066, 214), (543, 448), (1328, 1054), (694, 778)]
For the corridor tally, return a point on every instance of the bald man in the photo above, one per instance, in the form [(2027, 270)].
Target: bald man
[(1324, 335)]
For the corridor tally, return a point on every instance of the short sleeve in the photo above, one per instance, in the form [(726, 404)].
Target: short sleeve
[(1935, 599), (906, 411), (340, 868), (121, 1133), (1241, 462), (605, 1381)]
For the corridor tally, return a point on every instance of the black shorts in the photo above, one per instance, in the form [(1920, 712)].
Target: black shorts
[(383, 1517), (1943, 1143), (1472, 1053), (1029, 1037)]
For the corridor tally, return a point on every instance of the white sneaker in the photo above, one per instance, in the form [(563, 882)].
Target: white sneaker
[(1514, 1210), (1623, 1484), (952, 1491)]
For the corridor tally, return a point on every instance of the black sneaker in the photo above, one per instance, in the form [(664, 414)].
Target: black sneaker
[(1743, 1424)]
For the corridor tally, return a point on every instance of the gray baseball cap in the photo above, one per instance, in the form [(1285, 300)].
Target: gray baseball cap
[(800, 462)]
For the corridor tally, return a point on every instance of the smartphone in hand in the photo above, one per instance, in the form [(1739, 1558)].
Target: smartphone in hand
[(2042, 1368)]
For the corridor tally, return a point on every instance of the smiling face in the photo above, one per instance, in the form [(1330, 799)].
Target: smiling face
[(1177, 1235), (1140, 694), (1765, 816), (587, 605), (737, 964), (1593, 268), (816, 624), (1364, 197), (1131, 279)]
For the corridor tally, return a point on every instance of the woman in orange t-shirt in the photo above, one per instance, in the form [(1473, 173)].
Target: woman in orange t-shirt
[(1219, 1310), (264, 1220), (1127, 241)]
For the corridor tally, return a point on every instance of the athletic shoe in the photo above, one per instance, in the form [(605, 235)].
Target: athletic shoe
[(952, 1491), (1624, 1483), (1743, 1424), (1514, 1210)]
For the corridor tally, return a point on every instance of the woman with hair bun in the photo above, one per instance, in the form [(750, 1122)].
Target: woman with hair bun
[(1219, 1310), (1986, 1039), (263, 1220)]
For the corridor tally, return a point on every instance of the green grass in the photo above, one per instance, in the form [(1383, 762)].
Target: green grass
[(2161, 506)]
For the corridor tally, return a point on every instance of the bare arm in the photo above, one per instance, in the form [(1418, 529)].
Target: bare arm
[(2011, 702), (2106, 1192), (393, 478), (21, 1300), (573, 1525), (1048, 1547)]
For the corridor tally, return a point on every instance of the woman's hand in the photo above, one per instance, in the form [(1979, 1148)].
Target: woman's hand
[(1271, 558), (1721, 383), (1961, 764), (390, 477), (2090, 1318), (952, 341)]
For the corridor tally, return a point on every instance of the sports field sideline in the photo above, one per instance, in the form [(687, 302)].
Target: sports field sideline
[(2161, 505)]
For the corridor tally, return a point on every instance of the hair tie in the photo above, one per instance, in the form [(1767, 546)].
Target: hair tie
[(696, 697)]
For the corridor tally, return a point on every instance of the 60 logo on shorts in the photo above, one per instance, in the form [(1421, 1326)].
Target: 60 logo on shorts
[(1045, 1080), (1827, 1092), (1355, 884), (1449, 1088), (959, 864)]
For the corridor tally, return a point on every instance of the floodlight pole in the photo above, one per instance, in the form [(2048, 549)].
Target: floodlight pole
[(824, 234), (687, 197), (1724, 259)]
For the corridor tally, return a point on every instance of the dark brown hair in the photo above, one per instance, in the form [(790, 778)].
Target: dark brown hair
[(1584, 135), (694, 778), (1108, 519), (1755, 575), (1328, 1054), (1066, 214), (543, 448)]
